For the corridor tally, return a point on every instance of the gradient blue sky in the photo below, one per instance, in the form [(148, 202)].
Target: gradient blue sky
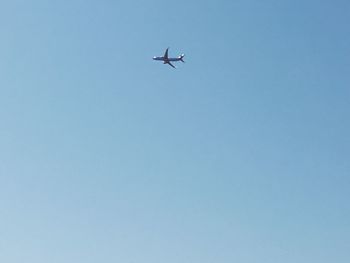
[(240, 155)]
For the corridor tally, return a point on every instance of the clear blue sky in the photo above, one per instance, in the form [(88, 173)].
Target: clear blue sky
[(240, 155)]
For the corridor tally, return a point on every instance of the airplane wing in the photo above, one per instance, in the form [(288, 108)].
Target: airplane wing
[(171, 65), (166, 53)]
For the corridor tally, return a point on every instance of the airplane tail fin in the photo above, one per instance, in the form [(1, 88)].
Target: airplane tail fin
[(181, 58)]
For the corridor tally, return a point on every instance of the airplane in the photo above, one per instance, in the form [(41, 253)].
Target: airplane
[(167, 60)]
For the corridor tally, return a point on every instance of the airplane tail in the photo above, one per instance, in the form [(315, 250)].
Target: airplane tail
[(181, 58)]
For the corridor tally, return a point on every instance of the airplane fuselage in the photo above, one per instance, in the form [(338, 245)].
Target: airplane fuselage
[(166, 60)]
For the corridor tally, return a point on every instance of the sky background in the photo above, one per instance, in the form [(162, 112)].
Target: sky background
[(240, 155)]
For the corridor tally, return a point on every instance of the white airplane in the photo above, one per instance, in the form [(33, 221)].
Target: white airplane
[(167, 60)]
